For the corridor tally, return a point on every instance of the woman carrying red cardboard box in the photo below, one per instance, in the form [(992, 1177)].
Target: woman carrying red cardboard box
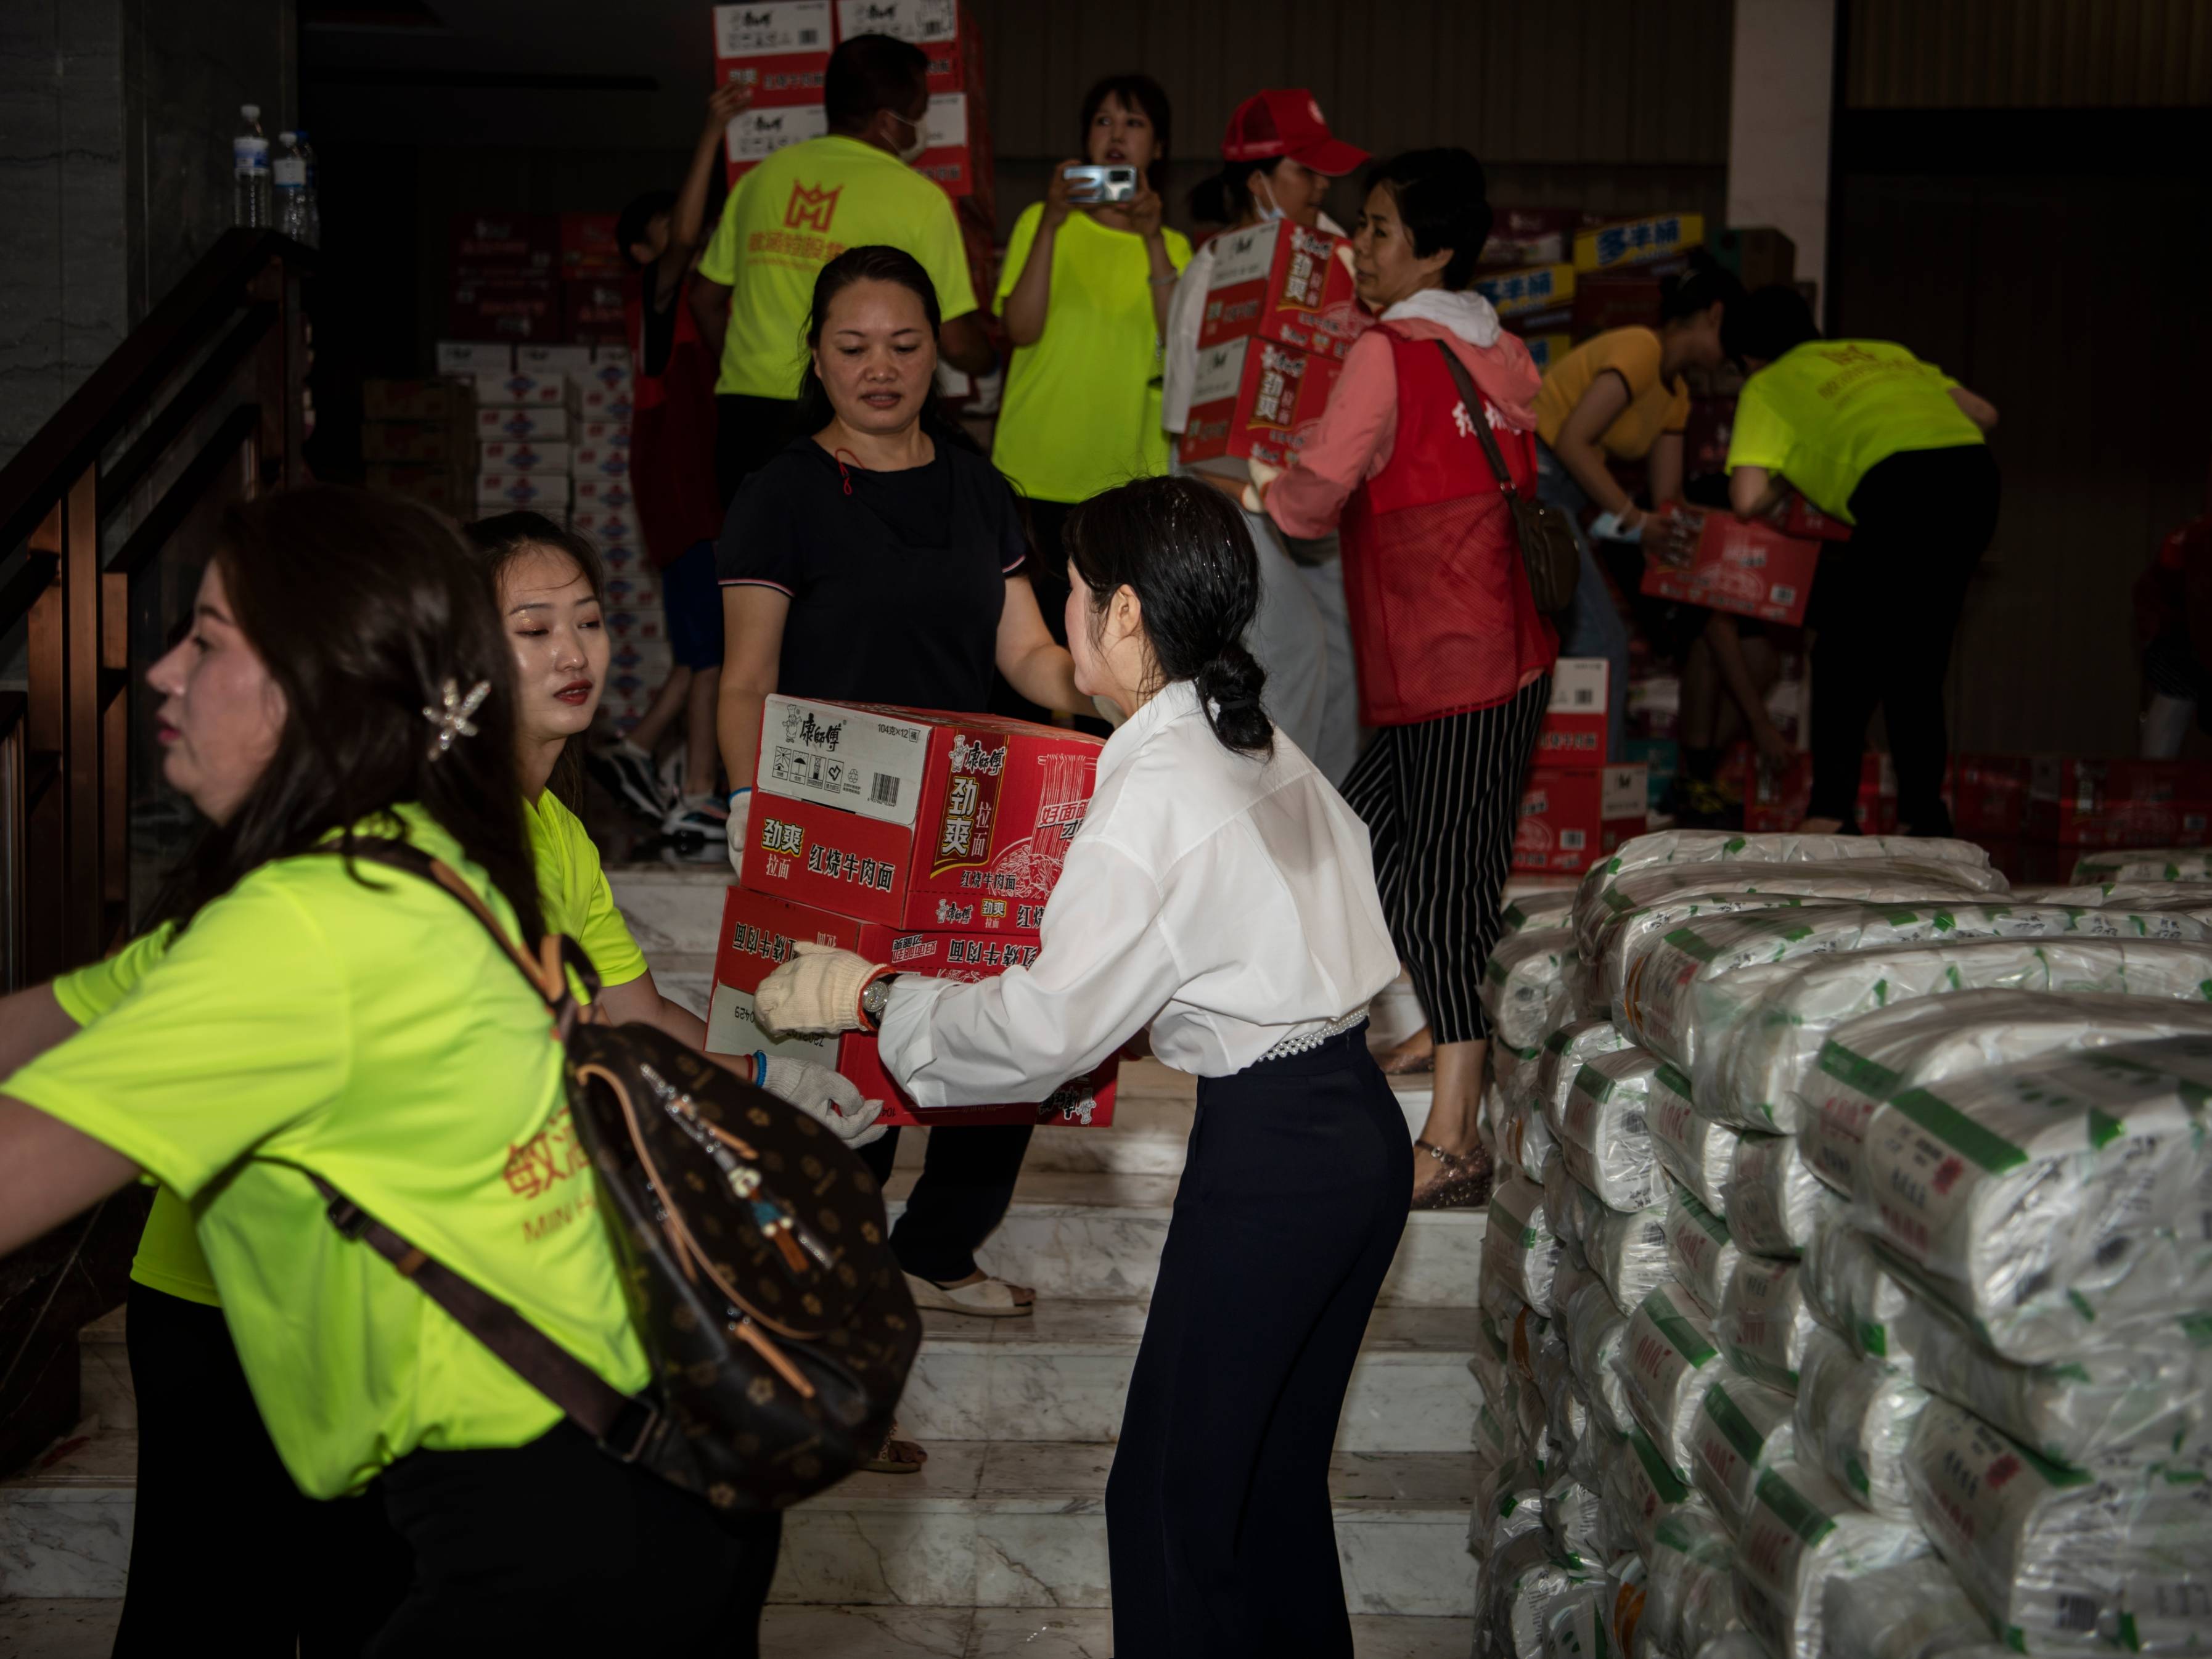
[(1895, 449), (1455, 659), (1220, 895), (881, 558)]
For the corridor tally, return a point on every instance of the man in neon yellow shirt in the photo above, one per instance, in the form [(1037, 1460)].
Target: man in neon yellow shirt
[(800, 209), (1894, 447)]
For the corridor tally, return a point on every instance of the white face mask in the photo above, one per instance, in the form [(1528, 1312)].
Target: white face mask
[(911, 153), (1269, 212)]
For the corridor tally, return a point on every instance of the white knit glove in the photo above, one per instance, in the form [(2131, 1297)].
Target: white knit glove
[(817, 991), (741, 806), (823, 1095)]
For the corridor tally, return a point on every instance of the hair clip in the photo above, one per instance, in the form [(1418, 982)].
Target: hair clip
[(452, 718)]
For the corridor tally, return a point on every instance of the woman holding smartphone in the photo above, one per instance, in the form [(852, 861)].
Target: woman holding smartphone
[(1219, 894), (1084, 294)]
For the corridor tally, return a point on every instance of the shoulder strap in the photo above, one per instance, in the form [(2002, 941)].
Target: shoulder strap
[(618, 1422), (1476, 408)]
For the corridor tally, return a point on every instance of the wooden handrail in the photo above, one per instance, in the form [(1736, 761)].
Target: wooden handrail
[(120, 390)]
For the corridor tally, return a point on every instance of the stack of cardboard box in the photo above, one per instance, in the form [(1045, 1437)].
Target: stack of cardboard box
[(418, 438), (2037, 814), (928, 841), (505, 277), (1579, 802)]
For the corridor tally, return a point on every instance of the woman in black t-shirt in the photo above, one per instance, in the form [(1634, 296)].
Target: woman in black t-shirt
[(880, 560)]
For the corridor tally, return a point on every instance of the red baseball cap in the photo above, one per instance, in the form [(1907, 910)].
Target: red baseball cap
[(1287, 121)]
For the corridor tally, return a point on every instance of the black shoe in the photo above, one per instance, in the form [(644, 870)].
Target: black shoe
[(626, 772)]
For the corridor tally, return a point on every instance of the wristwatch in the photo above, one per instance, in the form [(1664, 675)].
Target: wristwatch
[(875, 997)]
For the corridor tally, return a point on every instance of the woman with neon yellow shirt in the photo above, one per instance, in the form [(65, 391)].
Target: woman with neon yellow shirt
[(212, 1487)]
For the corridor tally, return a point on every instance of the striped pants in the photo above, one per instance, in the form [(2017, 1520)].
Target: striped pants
[(1441, 799)]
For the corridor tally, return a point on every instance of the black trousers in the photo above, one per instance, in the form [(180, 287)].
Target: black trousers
[(1887, 604), (747, 432), (556, 1547), (1217, 1521), (967, 1182), (1441, 799), (221, 1539)]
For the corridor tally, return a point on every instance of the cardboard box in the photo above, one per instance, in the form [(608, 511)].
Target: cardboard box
[(635, 592), (504, 245), (614, 433), (1662, 760), (1534, 289), (588, 247), (524, 455), (952, 140), (2076, 802), (779, 48), (506, 308), (448, 489), (606, 355), (914, 818), (592, 309), (520, 391), (1801, 518), (1618, 299), (1988, 794), (600, 495), (445, 401), (1775, 802), (470, 357), (550, 362), (1545, 349), (1282, 283), (759, 932), (1749, 569), (1569, 819), (605, 524), (759, 132), (540, 492), (1534, 236), (1655, 705), (1572, 733), (636, 625), (1253, 399), (546, 421), (412, 443), (1638, 241), (607, 395), (602, 460)]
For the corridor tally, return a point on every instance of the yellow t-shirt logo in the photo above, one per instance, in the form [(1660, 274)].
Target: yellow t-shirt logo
[(811, 209)]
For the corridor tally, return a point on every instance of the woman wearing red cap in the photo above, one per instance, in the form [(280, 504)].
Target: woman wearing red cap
[(1454, 659), (1279, 159)]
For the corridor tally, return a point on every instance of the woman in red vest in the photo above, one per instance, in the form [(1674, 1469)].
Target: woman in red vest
[(1455, 659)]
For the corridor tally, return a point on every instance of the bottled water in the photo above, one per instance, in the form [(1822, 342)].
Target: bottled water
[(249, 170), (314, 236), (290, 172)]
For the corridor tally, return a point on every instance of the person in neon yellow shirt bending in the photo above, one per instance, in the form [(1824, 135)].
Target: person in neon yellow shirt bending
[(285, 1015)]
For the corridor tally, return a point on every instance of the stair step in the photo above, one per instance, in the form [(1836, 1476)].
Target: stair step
[(996, 1524), (79, 1629), (1061, 1374), (1096, 1236)]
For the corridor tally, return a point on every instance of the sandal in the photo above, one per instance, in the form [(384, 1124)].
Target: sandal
[(1461, 1180), (987, 1298), (895, 1456)]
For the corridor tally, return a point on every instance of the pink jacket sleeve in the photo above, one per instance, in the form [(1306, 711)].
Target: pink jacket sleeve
[(1351, 444)]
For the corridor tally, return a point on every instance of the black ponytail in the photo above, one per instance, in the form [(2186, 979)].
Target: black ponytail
[(1224, 197), (1702, 286), (1183, 549)]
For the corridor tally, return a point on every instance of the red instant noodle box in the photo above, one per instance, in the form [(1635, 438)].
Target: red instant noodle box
[(1741, 566), (758, 932), (913, 818), (1284, 283), (1569, 819), (1256, 399)]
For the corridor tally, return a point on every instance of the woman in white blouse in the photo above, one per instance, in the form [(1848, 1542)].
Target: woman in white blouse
[(1220, 893)]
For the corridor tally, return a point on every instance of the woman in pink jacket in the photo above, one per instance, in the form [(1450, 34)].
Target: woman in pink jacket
[(1455, 659)]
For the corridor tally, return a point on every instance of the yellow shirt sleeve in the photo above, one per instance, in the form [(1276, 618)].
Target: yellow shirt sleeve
[(90, 991), (1760, 437), (573, 887), (239, 1031), (1632, 354), (945, 256), (1017, 249), (720, 262)]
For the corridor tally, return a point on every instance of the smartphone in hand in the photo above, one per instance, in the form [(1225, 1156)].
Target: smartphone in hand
[(1102, 184)]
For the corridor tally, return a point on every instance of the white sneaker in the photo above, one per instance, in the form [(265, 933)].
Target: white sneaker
[(626, 772)]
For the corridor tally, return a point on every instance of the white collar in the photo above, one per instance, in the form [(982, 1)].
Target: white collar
[(1172, 701), (1467, 314)]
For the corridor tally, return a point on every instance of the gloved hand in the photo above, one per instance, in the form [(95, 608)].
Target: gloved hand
[(741, 803), (823, 1095), (818, 990)]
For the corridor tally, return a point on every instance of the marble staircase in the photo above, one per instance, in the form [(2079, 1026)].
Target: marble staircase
[(998, 1547)]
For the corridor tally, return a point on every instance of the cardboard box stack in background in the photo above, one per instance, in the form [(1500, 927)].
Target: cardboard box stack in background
[(418, 438), (1579, 802), (930, 841), (506, 270)]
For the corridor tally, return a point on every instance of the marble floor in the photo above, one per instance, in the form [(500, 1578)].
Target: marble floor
[(84, 1629)]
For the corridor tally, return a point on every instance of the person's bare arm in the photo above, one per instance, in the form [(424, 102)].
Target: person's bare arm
[(964, 342), (50, 1172), (1577, 446), (1978, 408), (639, 1001), (752, 652), (687, 219), (1034, 663), (1146, 214), (1726, 646), (1030, 297), (1665, 467), (30, 1022), (710, 309), (1753, 492)]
